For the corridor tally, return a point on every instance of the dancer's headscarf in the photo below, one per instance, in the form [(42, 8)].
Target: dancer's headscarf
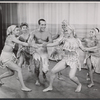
[(10, 29), (65, 22)]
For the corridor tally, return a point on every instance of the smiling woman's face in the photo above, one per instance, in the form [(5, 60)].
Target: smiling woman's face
[(68, 33), (64, 26), (16, 31), (24, 28), (92, 33)]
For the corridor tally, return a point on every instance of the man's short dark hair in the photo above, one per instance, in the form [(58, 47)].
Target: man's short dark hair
[(40, 21)]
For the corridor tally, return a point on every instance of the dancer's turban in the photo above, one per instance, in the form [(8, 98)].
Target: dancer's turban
[(10, 29), (65, 22), (96, 30)]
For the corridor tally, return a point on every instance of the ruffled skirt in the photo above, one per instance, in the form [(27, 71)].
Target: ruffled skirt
[(72, 60), (95, 62), (6, 57), (42, 55)]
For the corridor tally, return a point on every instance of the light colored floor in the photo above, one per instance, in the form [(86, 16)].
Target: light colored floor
[(62, 89)]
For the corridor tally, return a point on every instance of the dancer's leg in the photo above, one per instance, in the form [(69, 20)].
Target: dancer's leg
[(57, 68), (14, 67), (59, 76), (21, 61), (30, 64), (6, 74), (45, 64), (37, 70), (89, 65), (74, 78)]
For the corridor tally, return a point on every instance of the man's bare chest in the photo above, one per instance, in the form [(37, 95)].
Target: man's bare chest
[(42, 36)]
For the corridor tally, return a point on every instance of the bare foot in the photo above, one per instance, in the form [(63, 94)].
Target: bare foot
[(26, 89), (78, 89), (37, 83), (47, 89), (90, 85)]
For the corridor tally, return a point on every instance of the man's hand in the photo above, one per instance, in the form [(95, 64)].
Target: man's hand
[(44, 44), (30, 44)]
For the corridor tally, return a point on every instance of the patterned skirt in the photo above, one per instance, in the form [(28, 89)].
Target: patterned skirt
[(42, 55), (95, 60), (72, 60)]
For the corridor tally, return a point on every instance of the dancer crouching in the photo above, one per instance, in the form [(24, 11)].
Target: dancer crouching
[(8, 58), (70, 58)]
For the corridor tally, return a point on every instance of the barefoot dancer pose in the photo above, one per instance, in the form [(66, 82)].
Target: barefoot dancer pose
[(70, 58), (40, 55), (58, 52), (92, 59), (24, 52), (8, 58)]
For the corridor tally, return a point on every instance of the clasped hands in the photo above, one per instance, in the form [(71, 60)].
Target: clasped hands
[(33, 44)]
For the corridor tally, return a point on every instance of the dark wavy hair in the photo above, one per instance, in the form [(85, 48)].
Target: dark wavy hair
[(23, 24)]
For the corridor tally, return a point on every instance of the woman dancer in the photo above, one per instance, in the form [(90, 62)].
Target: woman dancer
[(58, 52), (92, 59), (70, 58), (24, 52), (8, 58)]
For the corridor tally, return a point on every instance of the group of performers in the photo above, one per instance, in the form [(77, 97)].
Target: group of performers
[(33, 48)]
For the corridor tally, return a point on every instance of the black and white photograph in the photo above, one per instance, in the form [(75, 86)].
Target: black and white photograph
[(49, 49)]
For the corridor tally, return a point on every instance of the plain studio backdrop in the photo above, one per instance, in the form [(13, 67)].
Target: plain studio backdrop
[(82, 15)]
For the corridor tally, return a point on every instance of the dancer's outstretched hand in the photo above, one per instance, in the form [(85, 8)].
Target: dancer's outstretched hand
[(30, 44), (44, 45)]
